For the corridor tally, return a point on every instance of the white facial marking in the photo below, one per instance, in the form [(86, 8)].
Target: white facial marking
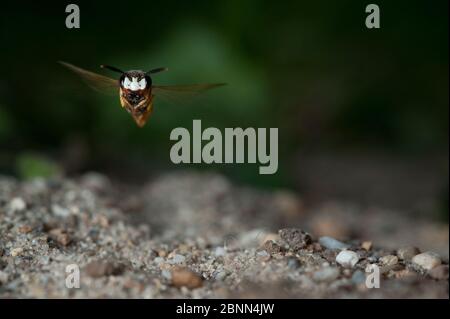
[(134, 84), (126, 83), (142, 83)]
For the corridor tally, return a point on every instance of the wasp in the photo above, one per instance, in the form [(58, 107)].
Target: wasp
[(136, 89)]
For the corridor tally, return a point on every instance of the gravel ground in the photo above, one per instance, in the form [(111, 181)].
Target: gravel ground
[(196, 235)]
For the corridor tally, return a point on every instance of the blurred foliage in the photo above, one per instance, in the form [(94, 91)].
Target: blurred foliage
[(311, 69), (31, 165)]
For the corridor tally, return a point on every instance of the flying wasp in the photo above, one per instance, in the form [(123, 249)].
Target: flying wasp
[(136, 89)]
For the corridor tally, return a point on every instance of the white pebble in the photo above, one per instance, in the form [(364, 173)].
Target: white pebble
[(17, 204), (219, 252), (389, 260), (427, 260), (331, 243), (60, 211), (158, 260), (178, 259), (16, 251), (327, 274), (347, 258), (166, 274)]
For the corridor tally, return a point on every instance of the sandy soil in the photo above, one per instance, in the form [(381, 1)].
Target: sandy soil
[(197, 235)]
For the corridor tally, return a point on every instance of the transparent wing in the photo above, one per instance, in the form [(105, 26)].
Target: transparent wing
[(96, 81), (182, 94)]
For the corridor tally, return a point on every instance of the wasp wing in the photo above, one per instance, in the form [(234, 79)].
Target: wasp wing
[(182, 94), (96, 81)]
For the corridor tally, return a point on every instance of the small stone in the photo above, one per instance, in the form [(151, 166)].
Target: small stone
[(366, 245), (327, 274), (347, 258), (25, 229), (177, 259), (60, 236), (220, 252), (358, 277), (16, 251), (3, 277), (427, 260), (17, 204), (271, 236), (405, 273), (60, 211), (97, 269), (183, 277), (272, 248), (103, 221), (331, 243), (439, 272), (158, 260), (220, 275), (263, 255), (293, 263), (166, 274), (407, 253), (295, 238), (389, 260)]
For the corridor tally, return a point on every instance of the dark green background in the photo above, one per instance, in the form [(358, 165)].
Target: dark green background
[(312, 69)]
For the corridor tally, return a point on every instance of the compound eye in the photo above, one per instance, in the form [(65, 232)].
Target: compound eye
[(126, 83), (142, 84)]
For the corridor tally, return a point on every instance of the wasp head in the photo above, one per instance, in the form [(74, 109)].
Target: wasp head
[(135, 81)]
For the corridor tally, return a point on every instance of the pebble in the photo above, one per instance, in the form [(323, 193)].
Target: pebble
[(158, 260), (60, 236), (439, 272), (3, 277), (271, 236), (327, 274), (407, 253), (220, 252), (220, 275), (262, 253), (347, 258), (293, 263), (367, 245), (16, 252), (389, 260), (166, 274), (272, 248), (25, 229), (60, 211), (295, 238), (358, 277), (177, 259), (331, 243), (17, 204), (97, 269), (427, 260), (183, 277)]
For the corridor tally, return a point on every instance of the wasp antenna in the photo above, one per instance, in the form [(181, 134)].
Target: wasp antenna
[(157, 70), (112, 68)]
